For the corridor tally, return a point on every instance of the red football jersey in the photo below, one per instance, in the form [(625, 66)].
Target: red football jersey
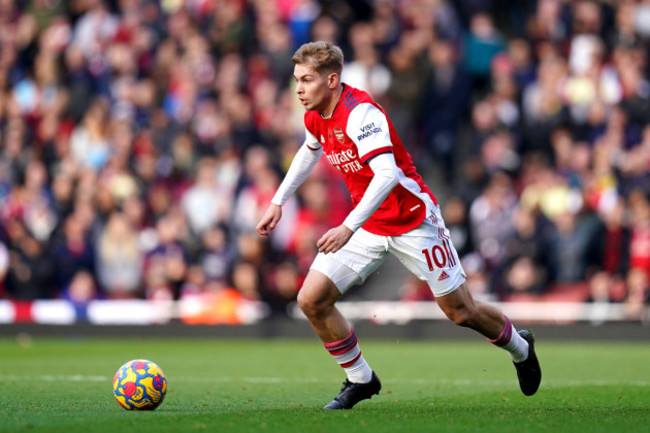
[(358, 130)]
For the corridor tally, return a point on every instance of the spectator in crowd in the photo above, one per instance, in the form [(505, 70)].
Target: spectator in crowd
[(119, 258), (638, 296), (169, 259), (527, 256), (445, 97), (481, 43), (491, 220), (203, 203), (364, 70), (30, 270), (89, 140), (571, 244), (71, 251), (216, 254), (454, 212), (639, 246), (615, 241), (282, 286), (80, 291)]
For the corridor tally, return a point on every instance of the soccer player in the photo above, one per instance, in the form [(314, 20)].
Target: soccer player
[(394, 212)]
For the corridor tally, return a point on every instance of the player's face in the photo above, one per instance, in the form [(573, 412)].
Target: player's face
[(312, 88)]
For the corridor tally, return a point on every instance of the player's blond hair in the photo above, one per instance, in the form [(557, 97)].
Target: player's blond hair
[(324, 57)]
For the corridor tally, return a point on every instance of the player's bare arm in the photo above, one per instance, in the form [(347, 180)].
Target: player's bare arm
[(269, 220)]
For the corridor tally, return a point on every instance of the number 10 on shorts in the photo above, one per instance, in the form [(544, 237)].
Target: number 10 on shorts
[(440, 256)]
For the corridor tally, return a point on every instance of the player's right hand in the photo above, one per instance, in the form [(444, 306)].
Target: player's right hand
[(269, 220)]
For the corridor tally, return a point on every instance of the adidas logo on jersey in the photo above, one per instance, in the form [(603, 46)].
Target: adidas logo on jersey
[(443, 276)]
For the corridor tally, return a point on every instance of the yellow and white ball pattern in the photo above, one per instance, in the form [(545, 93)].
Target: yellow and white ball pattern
[(139, 385)]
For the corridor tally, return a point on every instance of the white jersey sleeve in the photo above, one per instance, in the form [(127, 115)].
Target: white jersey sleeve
[(303, 163), (368, 128), (311, 141)]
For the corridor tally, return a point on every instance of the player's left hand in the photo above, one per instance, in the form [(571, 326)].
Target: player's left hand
[(334, 239)]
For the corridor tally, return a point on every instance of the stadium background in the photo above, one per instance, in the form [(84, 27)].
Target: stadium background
[(141, 140)]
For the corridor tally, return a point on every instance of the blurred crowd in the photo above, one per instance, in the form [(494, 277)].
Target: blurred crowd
[(140, 141)]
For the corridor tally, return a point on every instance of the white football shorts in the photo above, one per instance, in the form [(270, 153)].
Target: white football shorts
[(426, 251)]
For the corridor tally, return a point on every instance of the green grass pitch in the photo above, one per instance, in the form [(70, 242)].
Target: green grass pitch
[(64, 385)]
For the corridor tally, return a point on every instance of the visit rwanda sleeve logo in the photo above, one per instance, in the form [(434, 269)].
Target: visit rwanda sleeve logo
[(368, 130)]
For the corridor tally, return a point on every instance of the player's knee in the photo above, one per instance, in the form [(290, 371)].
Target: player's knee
[(460, 316), (311, 305), (304, 302), (317, 296)]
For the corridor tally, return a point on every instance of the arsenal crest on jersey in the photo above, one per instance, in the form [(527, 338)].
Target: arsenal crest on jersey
[(340, 136)]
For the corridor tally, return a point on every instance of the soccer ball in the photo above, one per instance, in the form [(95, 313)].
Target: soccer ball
[(139, 385)]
